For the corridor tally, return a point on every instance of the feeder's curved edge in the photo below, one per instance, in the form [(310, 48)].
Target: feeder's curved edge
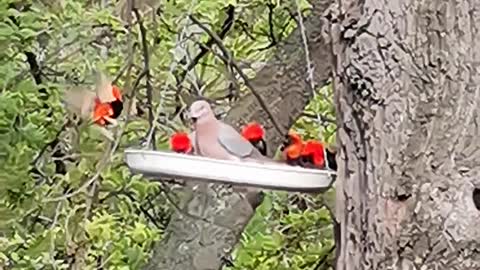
[(242, 163), (145, 162)]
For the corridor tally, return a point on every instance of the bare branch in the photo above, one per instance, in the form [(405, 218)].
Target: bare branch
[(227, 25), (271, 34), (228, 55)]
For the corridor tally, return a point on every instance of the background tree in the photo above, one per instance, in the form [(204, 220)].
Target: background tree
[(406, 86)]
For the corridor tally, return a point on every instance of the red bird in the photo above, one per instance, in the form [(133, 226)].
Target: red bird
[(254, 133), (180, 143), (313, 155), (102, 106), (292, 148)]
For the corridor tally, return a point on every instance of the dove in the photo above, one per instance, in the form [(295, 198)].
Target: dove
[(215, 139), (191, 136)]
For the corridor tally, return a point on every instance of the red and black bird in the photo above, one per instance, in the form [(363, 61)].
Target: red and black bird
[(254, 133), (313, 155), (180, 143), (292, 149), (103, 105), (331, 152)]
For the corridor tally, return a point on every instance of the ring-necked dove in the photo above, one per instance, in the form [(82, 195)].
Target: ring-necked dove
[(215, 139)]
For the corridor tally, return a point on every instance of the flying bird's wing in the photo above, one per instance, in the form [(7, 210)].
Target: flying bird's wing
[(104, 88), (80, 101)]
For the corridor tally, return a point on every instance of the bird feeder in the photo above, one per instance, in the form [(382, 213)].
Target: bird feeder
[(190, 167)]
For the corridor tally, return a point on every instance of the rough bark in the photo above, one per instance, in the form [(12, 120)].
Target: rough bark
[(201, 244), (407, 89)]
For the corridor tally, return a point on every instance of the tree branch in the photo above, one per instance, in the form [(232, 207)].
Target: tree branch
[(228, 55), (227, 25)]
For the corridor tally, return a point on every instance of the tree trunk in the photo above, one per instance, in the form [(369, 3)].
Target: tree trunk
[(201, 243), (406, 78)]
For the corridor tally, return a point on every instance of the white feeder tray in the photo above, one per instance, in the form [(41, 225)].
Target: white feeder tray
[(270, 176)]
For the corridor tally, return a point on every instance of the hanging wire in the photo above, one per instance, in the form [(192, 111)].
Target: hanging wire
[(310, 73)]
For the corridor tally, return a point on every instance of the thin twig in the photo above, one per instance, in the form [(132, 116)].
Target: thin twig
[(166, 191), (323, 119), (160, 104), (94, 190), (125, 68), (271, 34), (231, 61), (52, 241), (307, 52), (325, 257)]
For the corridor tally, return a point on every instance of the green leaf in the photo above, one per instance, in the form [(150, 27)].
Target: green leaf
[(135, 256), (27, 33), (138, 234), (5, 30)]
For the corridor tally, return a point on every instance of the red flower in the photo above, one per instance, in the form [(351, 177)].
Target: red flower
[(294, 138), (254, 133)]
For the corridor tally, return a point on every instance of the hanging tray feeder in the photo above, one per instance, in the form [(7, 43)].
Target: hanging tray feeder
[(270, 176)]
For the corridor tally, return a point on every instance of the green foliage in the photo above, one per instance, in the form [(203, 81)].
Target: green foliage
[(93, 212), (287, 232), (318, 121)]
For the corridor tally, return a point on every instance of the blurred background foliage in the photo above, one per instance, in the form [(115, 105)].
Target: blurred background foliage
[(66, 196)]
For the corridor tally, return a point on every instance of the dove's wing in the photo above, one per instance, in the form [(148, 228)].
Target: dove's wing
[(233, 142)]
